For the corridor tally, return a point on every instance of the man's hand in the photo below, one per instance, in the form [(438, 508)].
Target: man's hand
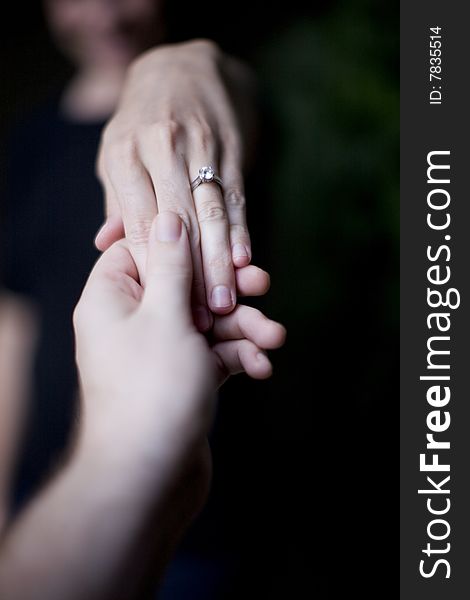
[(183, 106), (139, 470), (148, 376)]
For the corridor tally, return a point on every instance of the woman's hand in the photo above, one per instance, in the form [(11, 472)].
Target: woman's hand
[(184, 106)]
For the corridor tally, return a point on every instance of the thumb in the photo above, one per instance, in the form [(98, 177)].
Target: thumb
[(169, 270)]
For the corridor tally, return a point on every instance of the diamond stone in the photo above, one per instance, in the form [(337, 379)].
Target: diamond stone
[(206, 174)]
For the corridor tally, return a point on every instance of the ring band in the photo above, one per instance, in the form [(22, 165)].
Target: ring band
[(205, 175)]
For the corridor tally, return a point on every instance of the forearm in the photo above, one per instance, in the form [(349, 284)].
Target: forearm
[(84, 536)]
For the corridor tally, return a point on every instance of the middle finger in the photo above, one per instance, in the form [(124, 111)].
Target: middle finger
[(170, 179)]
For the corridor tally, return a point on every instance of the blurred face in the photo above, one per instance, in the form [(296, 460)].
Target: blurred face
[(103, 32)]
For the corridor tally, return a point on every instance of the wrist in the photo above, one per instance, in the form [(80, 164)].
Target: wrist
[(118, 447), (115, 475), (193, 51)]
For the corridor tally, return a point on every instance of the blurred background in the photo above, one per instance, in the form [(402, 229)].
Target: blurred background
[(303, 464)]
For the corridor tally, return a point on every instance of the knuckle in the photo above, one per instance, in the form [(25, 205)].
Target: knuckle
[(203, 137), (165, 133), (211, 211), (167, 192), (235, 198), (220, 261), (138, 232), (121, 156), (171, 273)]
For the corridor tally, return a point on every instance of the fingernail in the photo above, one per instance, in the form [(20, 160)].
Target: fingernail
[(202, 318), (167, 227), (239, 251), (221, 296)]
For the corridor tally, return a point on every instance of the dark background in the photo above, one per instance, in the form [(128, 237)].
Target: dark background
[(304, 482), (427, 128)]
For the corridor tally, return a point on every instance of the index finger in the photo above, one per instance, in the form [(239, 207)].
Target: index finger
[(112, 289), (133, 190)]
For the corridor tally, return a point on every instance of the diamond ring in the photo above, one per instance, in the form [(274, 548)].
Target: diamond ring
[(205, 175)]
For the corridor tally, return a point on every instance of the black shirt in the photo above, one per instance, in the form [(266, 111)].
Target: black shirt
[(53, 209)]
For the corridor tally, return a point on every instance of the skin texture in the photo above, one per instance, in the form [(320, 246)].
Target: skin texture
[(176, 114), (143, 359), (141, 462)]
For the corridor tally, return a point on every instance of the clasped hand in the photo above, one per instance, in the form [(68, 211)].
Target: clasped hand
[(183, 107), (148, 375)]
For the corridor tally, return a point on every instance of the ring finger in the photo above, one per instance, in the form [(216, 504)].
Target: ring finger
[(215, 243)]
